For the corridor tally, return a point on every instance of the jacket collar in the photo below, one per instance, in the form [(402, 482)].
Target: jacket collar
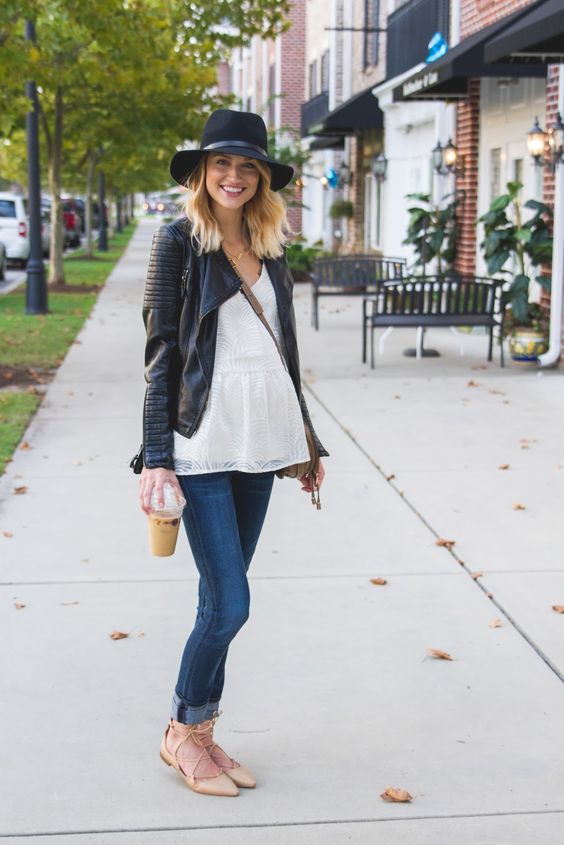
[(219, 281)]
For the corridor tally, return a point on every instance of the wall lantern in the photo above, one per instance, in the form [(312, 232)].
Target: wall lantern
[(345, 174), (379, 165), (324, 181), (540, 142), (446, 159)]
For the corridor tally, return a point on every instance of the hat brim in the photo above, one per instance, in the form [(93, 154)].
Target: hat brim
[(185, 162)]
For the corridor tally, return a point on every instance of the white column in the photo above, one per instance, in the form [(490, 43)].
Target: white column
[(553, 353)]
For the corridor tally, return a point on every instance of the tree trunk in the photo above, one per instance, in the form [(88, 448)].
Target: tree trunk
[(90, 168), (111, 227), (131, 205), (56, 264), (119, 220)]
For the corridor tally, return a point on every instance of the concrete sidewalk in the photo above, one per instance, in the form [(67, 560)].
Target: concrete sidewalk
[(330, 695)]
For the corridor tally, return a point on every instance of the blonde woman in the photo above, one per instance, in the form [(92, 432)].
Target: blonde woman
[(222, 410)]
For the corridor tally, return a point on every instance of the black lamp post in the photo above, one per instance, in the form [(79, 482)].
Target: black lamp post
[(380, 167), (102, 228), (36, 287)]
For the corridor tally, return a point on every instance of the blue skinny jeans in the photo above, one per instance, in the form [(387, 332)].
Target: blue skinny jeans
[(223, 518)]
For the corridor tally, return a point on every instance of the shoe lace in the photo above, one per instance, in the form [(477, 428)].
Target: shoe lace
[(208, 768)]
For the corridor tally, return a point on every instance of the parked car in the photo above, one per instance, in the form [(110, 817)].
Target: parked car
[(72, 225), (45, 230), (14, 227), (3, 262)]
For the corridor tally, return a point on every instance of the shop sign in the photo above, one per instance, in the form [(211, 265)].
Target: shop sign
[(420, 83)]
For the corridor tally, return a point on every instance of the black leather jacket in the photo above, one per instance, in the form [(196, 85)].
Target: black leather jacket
[(182, 295)]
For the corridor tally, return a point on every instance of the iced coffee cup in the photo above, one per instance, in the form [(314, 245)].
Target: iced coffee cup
[(164, 522)]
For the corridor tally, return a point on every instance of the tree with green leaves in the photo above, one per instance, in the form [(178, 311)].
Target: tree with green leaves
[(120, 82)]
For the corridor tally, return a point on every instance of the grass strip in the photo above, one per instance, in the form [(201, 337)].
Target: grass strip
[(42, 340), (15, 411)]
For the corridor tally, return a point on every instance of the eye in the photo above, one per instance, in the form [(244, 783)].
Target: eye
[(250, 165), (221, 161)]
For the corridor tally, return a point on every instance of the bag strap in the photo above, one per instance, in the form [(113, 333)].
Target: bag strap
[(259, 311)]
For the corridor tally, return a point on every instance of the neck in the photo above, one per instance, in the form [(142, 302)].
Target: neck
[(230, 223)]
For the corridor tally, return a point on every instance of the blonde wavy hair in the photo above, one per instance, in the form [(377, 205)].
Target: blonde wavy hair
[(265, 215)]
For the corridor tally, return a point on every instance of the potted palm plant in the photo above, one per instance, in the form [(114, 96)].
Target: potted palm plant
[(526, 246)]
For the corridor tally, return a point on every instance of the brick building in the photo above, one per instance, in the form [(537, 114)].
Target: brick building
[(267, 77), (484, 92)]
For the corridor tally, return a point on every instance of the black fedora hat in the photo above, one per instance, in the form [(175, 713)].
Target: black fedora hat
[(235, 133)]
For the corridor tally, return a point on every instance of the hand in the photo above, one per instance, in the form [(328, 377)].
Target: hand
[(305, 480), (156, 478)]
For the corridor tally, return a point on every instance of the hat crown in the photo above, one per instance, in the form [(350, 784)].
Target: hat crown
[(226, 125)]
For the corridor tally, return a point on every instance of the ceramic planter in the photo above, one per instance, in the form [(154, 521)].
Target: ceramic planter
[(526, 344)]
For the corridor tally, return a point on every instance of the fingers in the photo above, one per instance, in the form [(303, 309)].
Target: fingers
[(152, 482)]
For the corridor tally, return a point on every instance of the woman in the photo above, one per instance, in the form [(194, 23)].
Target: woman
[(223, 411)]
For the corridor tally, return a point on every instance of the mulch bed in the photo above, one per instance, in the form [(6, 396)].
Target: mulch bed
[(24, 376), (62, 287)]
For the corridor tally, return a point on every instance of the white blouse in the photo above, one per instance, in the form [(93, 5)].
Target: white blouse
[(252, 421)]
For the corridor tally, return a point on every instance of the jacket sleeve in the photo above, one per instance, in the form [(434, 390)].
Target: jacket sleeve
[(322, 451), (160, 316)]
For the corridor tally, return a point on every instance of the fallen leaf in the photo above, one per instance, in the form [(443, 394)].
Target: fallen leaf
[(476, 575), (504, 466), (497, 392), (118, 635), (518, 507), (389, 477), (448, 544), (18, 491), (141, 634), (524, 445), (479, 367), (506, 402), (18, 605), (7, 533), (558, 608), (489, 595), (378, 581), (472, 383), (394, 794), (85, 560), (67, 603), (441, 655), (495, 623), (25, 445), (77, 463), (397, 396)]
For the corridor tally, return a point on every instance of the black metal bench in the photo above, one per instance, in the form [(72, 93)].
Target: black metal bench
[(426, 301), (350, 275)]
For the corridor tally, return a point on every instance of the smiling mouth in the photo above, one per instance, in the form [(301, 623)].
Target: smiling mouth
[(233, 192)]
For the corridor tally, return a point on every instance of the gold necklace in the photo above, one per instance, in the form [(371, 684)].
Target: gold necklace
[(234, 259)]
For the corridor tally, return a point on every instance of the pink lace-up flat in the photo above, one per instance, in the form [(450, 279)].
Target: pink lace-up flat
[(239, 774), (183, 748)]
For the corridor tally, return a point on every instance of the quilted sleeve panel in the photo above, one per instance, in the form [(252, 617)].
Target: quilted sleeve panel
[(160, 316)]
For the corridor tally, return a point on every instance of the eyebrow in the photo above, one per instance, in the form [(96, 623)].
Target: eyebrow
[(232, 155)]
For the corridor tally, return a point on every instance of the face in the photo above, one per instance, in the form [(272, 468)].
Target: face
[(231, 180)]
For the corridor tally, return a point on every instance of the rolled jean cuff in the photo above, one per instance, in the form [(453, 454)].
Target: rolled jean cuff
[(184, 713)]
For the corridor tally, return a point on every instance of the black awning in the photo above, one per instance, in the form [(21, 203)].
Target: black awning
[(447, 77), (537, 37), (360, 112), (328, 142)]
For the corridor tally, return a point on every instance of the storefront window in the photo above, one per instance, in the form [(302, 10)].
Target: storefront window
[(495, 173)]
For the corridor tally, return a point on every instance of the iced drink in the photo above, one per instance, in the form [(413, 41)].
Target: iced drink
[(164, 522)]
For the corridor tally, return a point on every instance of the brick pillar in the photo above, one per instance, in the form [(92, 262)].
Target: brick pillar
[(293, 83), (467, 141)]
